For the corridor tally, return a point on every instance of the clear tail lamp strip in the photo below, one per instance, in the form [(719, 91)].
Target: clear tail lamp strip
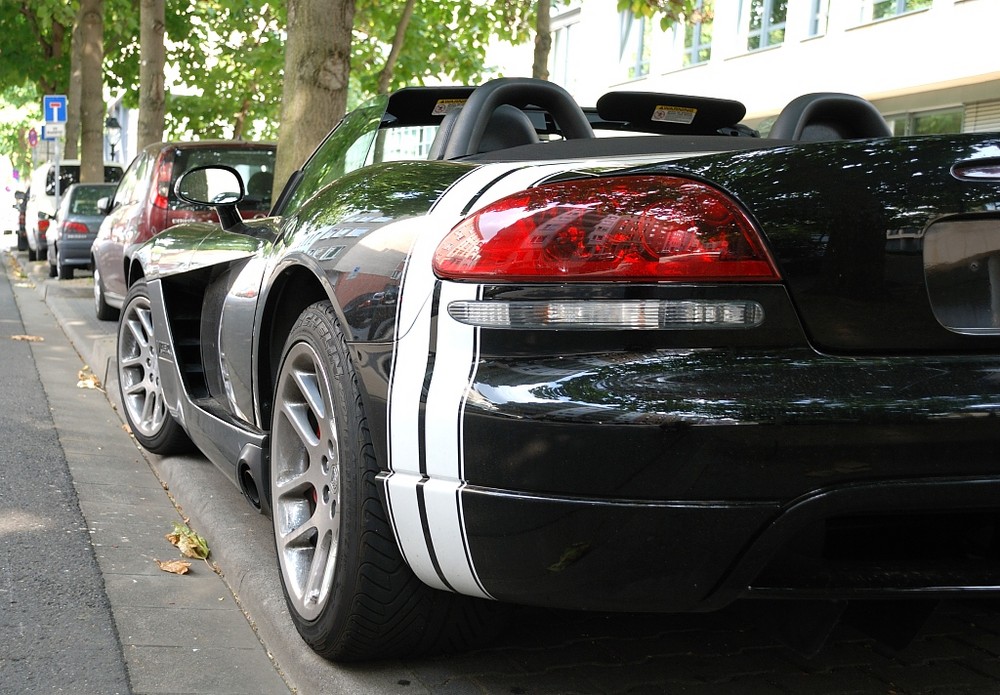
[(604, 315)]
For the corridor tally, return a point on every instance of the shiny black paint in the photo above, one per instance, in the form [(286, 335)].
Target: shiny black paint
[(845, 223), (735, 424), (345, 233), (575, 553)]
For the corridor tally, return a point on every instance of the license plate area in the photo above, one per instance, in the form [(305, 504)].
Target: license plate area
[(962, 272)]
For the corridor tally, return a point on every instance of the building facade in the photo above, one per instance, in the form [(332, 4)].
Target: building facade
[(927, 65)]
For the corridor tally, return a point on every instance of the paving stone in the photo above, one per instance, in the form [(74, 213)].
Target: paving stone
[(208, 670)]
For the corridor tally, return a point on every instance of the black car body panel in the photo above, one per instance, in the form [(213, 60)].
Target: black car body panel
[(664, 468)]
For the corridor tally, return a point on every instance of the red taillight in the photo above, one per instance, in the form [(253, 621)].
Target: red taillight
[(163, 176), (648, 228), (43, 225), (75, 229)]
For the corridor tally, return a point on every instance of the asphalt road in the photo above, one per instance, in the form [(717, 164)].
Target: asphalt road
[(57, 633), (541, 652)]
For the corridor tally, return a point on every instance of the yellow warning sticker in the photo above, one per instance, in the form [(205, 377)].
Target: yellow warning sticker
[(444, 106), (674, 114)]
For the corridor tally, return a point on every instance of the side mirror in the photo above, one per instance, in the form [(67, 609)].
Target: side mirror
[(210, 185), (19, 196), (216, 185)]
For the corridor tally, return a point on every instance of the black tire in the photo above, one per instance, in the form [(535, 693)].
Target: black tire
[(139, 379), (53, 271), (103, 310), (32, 255), (65, 271), (367, 604)]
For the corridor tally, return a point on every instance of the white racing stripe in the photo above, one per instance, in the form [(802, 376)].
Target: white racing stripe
[(432, 536)]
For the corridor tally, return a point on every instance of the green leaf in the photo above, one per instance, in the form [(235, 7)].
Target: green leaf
[(188, 542)]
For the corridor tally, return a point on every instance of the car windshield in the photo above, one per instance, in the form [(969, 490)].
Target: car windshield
[(85, 199), (70, 174)]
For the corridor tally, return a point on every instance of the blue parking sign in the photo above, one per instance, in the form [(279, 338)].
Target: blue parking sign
[(54, 108)]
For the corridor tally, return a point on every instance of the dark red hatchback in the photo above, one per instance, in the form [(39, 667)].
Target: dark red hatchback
[(144, 204)]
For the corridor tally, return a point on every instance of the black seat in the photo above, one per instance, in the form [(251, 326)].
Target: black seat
[(509, 126), (829, 116)]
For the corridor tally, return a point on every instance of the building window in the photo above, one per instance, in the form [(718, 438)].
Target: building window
[(938, 122), (698, 34), (818, 17), (765, 23), (635, 44), (559, 58), (875, 10)]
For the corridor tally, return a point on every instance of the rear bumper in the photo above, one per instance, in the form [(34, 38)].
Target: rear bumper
[(75, 252), (748, 426), (681, 480), (664, 557)]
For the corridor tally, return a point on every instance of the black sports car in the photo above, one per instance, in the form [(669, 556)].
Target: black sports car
[(480, 355)]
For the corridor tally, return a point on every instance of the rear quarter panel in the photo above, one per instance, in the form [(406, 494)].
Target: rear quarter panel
[(845, 222)]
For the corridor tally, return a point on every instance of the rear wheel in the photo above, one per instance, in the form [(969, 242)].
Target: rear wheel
[(103, 310), (65, 271), (349, 592), (139, 378)]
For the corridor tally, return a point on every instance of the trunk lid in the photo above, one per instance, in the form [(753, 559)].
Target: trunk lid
[(887, 246)]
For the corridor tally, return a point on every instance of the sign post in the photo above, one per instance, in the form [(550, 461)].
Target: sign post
[(54, 109)]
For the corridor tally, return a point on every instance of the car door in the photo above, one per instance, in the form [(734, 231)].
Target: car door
[(119, 226)]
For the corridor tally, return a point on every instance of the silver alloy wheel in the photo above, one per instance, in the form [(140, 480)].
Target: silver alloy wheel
[(138, 369), (305, 480)]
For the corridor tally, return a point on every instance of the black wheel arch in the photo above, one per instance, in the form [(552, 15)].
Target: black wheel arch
[(292, 290)]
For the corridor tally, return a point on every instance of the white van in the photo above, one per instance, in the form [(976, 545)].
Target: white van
[(41, 205)]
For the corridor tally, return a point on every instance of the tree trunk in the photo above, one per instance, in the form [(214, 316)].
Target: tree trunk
[(152, 56), (385, 77), (92, 91), (543, 39), (317, 66), (74, 95)]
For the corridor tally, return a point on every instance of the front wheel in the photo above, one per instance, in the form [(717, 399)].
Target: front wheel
[(139, 378), (349, 592)]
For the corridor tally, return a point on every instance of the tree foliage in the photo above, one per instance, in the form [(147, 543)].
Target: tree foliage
[(231, 61), (36, 42), (227, 56), (444, 40), (670, 12)]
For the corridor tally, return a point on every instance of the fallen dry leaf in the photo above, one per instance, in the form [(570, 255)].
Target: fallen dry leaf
[(28, 338), (188, 542), (87, 380), (174, 566)]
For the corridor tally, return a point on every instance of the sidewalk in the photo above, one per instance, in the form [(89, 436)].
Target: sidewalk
[(179, 634)]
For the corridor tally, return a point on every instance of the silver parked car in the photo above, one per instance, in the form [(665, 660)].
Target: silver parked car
[(71, 234)]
